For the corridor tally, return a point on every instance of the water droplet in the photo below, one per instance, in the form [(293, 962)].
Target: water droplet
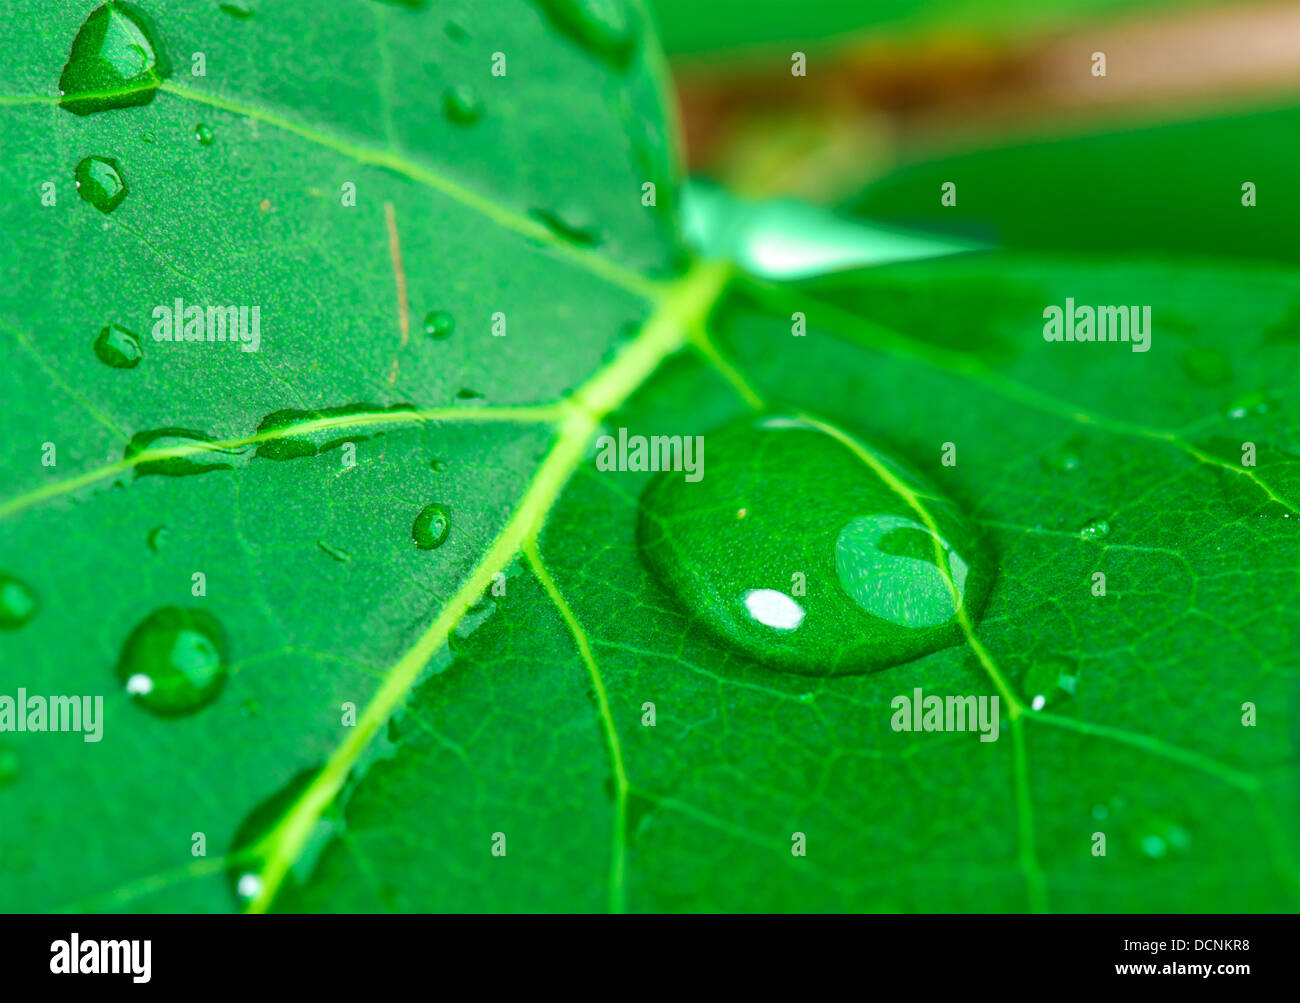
[(1153, 846), (431, 527), (605, 28), (203, 133), (571, 222), (795, 550), (184, 452), (462, 104), (1094, 529), (146, 136), (18, 602), (1100, 812), (241, 11), (174, 661), (438, 466), (1050, 679), (439, 324), (468, 394), (118, 347), (338, 553), (115, 61), (246, 854), (100, 182), (157, 538)]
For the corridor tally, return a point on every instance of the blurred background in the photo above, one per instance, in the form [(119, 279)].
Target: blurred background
[(1002, 96)]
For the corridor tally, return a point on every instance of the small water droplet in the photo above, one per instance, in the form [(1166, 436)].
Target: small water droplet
[(118, 347), (605, 28), (174, 662), (439, 324), (462, 104), (240, 11), (431, 527), (1050, 679), (146, 136), (18, 602), (1063, 460), (157, 538), (203, 133), (828, 571), (1094, 529), (438, 466), (338, 553), (1153, 846), (1100, 812), (571, 222), (100, 182), (115, 61)]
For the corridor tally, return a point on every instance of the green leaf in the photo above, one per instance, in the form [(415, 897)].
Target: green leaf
[(292, 478), (536, 729), (372, 694)]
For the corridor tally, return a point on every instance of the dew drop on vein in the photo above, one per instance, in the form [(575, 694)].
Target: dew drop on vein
[(793, 550), (116, 61)]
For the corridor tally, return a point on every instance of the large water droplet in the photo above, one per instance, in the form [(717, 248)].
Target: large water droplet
[(18, 602), (100, 182), (118, 347), (174, 662), (115, 62), (431, 527), (462, 104), (605, 28), (795, 550)]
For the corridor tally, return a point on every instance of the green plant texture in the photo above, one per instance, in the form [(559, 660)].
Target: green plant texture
[(364, 609)]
